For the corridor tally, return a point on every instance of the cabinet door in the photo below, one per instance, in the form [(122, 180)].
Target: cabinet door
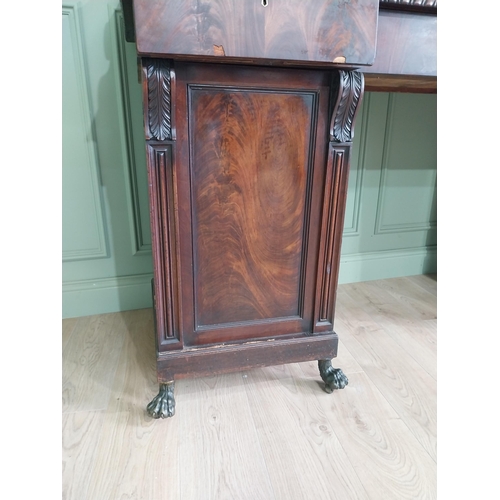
[(249, 162)]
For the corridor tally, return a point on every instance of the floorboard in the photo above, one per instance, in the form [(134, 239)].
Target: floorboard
[(270, 433)]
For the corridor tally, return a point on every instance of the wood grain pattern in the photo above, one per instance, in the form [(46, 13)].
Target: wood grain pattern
[(250, 169), (285, 30), (68, 326), (418, 339), (413, 396), (130, 441), (94, 351), (224, 422), (255, 143), (79, 444), (382, 299), (230, 357), (264, 433), (406, 40), (388, 459), (396, 83), (413, 331), (299, 437), (411, 295), (163, 236), (406, 46), (236, 207), (332, 222), (427, 282), (335, 185)]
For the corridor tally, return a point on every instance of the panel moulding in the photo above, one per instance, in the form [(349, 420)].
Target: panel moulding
[(106, 295), (387, 264), (380, 227), (352, 229), (78, 53), (140, 243)]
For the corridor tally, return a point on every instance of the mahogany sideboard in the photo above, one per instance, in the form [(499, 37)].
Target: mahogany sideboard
[(249, 112)]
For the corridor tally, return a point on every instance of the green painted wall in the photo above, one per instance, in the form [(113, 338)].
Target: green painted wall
[(390, 222), (390, 225)]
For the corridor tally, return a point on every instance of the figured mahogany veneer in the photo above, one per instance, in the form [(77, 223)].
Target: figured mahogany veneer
[(253, 155), (247, 194), (248, 167), (321, 31), (248, 172)]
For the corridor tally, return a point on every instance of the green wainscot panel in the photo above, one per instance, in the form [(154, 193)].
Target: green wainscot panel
[(82, 222), (390, 224)]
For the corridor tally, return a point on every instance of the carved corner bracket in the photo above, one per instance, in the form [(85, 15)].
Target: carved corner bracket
[(348, 87), (158, 99), (347, 92)]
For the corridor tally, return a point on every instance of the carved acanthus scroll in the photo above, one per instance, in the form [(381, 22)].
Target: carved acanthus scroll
[(160, 135), (349, 86), (159, 109)]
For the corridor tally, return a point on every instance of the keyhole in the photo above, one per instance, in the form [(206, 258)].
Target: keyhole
[(264, 3)]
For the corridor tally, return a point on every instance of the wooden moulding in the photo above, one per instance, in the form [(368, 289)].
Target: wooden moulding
[(211, 360), (401, 83), (161, 193), (406, 59), (421, 6)]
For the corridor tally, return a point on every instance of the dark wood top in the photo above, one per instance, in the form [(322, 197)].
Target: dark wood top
[(406, 53), (290, 32), (305, 32)]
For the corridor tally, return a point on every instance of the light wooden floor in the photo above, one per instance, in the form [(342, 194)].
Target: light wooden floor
[(269, 433)]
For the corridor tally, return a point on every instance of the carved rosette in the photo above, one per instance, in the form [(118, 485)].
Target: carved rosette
[(159, 109), (349, 87)]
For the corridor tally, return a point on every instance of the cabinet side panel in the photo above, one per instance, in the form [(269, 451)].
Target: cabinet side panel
[(250, 161)]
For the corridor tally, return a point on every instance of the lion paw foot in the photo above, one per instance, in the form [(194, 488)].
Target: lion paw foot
[(334, 378), (163, 405)]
